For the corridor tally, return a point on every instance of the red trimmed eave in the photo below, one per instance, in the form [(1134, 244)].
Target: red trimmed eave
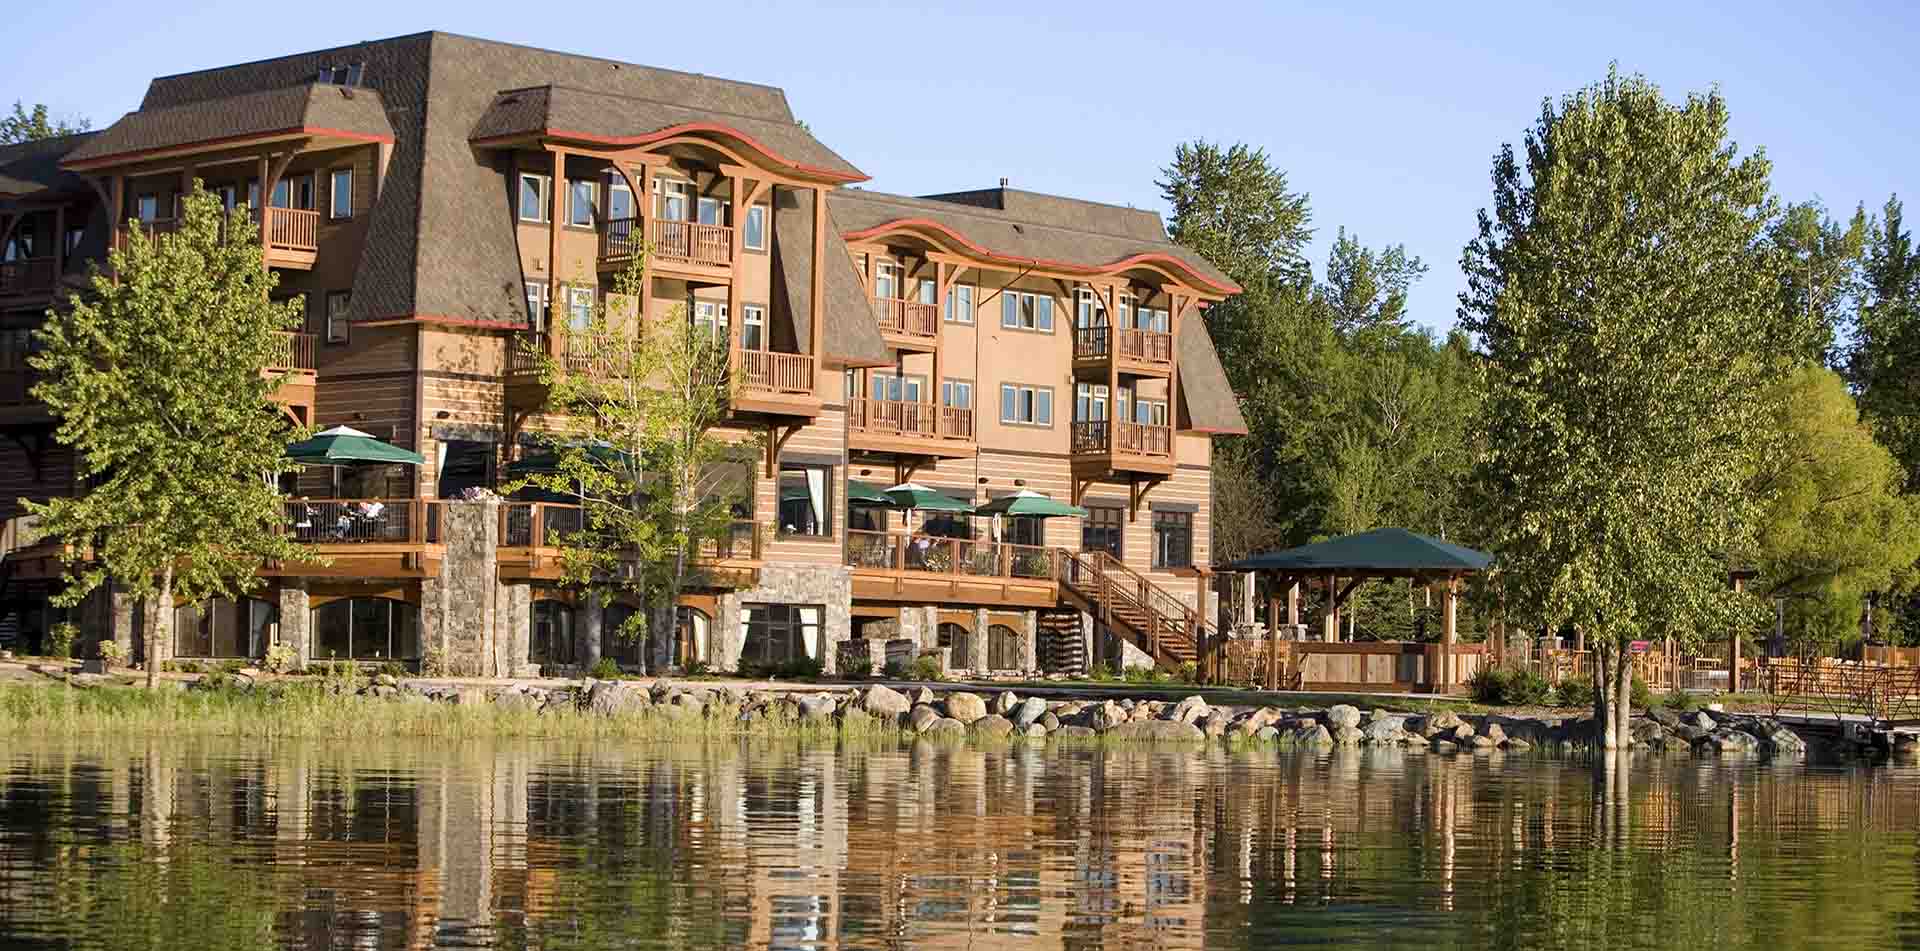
[(446, 320), (117, 158), (670, 132), (1153, 257)]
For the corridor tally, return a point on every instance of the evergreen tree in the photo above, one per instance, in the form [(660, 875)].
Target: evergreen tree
[(26, 125)]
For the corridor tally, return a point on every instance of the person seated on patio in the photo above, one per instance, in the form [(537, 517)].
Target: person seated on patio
[(374, 509), (917, 552)]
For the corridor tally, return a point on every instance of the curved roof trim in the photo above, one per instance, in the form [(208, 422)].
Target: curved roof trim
[(1145, 257), (683, 128), (116, 158)]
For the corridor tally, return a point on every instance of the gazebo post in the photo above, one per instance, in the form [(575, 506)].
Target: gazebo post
[(1293, 606), (1273, 641), (1449, 629), (1330, 621)]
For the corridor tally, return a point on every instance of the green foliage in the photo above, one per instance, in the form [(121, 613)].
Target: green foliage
[(1366, 289), (1682, 701), (434, 663), (1627, 309), (1510, 687), (30, 125), (110, 651), (280, 658), (1233, 207), (921, 669), (637, 447), (1836, 527), (800, 668), (605, 669), (60, 639), (1819, 275), (1886, 339), (155, 376)]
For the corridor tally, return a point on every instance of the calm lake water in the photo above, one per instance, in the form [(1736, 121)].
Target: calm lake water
[(227, 844)]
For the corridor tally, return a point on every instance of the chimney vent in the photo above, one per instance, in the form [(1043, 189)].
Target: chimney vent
[(1003, 181)]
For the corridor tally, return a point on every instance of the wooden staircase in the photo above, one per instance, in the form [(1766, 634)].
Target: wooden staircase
[(1124, 601)]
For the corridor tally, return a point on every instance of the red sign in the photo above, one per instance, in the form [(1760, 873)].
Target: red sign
[(1639, 647)]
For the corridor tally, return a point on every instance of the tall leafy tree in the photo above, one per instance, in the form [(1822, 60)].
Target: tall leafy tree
[(638, 446), (30, 125), (157, 378), (1886, 338), (1627, 308), (1367, 289), (1821, 272), (1234, 207)]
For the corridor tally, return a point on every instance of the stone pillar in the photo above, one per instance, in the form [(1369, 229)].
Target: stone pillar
[(726, 638), (458, 608), (120, 627), (513, 630), (1030, 644), (591, 619), (296, 621), (977, 641)]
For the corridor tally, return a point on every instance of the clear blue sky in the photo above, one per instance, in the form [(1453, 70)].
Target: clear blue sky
[(1387, 117)]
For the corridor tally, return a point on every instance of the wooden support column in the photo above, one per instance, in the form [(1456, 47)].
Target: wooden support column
[(1449, 631), (1330, 619), (117, 215), (1733, 643), (735, 318), (557, 183), (1273, 643), (1293, 606)]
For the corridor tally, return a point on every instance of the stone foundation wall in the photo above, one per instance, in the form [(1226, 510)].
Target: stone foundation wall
[(830, 586), (296, 621), (459, 610)]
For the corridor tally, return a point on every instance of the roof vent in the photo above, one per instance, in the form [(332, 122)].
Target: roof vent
[(1003, 181)]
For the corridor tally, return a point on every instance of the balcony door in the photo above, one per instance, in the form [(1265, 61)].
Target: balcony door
[(900, 389), (1090, 403), (1091, 312), (672, 199), (886, 281), (711, 318)]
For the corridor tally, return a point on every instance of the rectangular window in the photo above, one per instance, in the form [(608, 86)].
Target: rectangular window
[(753, 327), (892, 386), (927, 293), (886, 280), (75, 235), (1103, 529), (672, 198), (1123, 305), (774, 634), (1172, 539), (711, 211), (1026, 405), (579, 308), (303, 192), (533, 197), (580, 201), (754, 238), (340, 193), (1152, 318), (1150, 412), (619, 198), (806, 500), (1022, 311), (960, 304), (537, 292), (1089, 402), (229, 196), (1089, 310), (711, 317), (337, 315), (253, 193), (956, 393), (146, 207)]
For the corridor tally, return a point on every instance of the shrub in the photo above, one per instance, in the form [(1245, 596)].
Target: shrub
[(1102, 673), (60, 638), (434, 663), (1682, 701), (1187, 673), (1575, 692), (281, 657), (1510, 686), (233, 665), (699, 668), (111, 652), (1144, 675), (394, 669), (605, 669), (1641, 696), (925, 668)]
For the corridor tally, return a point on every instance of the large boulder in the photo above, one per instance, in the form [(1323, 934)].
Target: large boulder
[(1029, 712), (817, 707), (1191, 709), (885, 703), (1215, 723), (515, 700), (1004, 702), (1702, 720), (923, 695), (1049, 721), (1664, 715), (1385, 731), (1341, 714), (1074, 731), (1157, 731), (610, 698), (1443, 722), (1494, 732), (945, 727), (921, 717), (992, 725), (1310, 733), (1347, 736), (1107, 716), (965, 707)]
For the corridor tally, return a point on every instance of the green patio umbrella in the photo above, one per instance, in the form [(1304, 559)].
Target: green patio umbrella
[(913, 495), (864, 493), (548, 460), (346, 446), (1029, 503)]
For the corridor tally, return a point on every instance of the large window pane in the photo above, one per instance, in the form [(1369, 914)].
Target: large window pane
[(333, 624), (805, 500), (551, 641)]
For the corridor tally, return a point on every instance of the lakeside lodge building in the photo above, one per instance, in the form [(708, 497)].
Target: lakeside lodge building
[(436, 200)]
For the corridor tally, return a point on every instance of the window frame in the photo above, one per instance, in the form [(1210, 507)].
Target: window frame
[(573, 203), (893, 381), (544, 199), (1022, 310), (753, 316), (890, 271), (824, 523), (1111, 522), (953, 314), (334, 320), (1027, 394), (539, 297), (573, 294), (1178, 525), (666, 187), (790, 622), (617, 185), (334, 213), (954, 385), (754, 222)]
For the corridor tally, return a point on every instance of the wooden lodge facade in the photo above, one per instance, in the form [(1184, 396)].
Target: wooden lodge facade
[(441, 202)]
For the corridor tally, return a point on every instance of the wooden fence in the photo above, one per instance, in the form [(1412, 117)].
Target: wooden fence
[(1364, 667)]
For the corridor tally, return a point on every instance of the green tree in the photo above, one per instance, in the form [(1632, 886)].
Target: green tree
[(1886, 338), (1628, 312), (638, 446), (1836, 526), (1233, 207), (26, 125), (1820, 278), (1367, 289), (157, 378)]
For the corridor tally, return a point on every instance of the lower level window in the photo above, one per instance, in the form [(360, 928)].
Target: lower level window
[(779, 633), (551, 640), (1003, 648), (1102, 530), (1172, 539), (223, 628), (806, 500), (367, 629)]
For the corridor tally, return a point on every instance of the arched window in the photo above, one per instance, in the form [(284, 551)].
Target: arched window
[(692, 636), (613, 644), (367, 629), (956, 637), (552, 637), (1003, 648), (223, 628)]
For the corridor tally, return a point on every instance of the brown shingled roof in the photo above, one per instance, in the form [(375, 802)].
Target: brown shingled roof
[(1211, 405), (1023, 227), (314, 108), (566, 112), (852, 336), (27, 168)]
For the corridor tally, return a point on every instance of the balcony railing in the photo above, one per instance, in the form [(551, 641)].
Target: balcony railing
[(27, 276), (1090, 342), (907, 317), (672, 241), (364, 521), (909, 418), (557, 524), (525, 346), (1148, 346), (295, 229), (1134, 439), (961, 557), (772, 372), (293, 352)]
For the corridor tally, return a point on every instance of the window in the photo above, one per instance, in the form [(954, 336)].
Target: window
[(927, 293), (954, 637), (753, 327), (754, 237), (806, 500), (1103, 529), (551, 640), (1123, 304), (223, 628), (1089, 402), (671, 199), (579, 308), (692, 636), (253, 193), (533, 197), (956, 393), (1003, 648), (711, 211), (580, 199), (294, 191), (886, 280), (1026, 405), (779, 633), (947, 525), (346, 75), (1022, 311), (619, 198), (1090, 310), (229, 195), (1026, 530), (711, 317), (1150, 412), (1152, 318), (465, 464), (340, 193), (892, 386), (75, 235), (367, 629), (614, 643), (337, 302), (146, 207), (19, 247), (1172, 539), (537, 300), (960, 304)]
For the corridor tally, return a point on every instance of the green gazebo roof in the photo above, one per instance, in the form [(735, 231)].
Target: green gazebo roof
[(1382, 551)]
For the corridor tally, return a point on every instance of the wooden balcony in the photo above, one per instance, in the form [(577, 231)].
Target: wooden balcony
[(779, 384), (27, 277), (533, 534), (907, 324), (365, 538), (927, 569), (1137, 352), (294, 363), (910, 428), (674, 245), (1104, 446), (290, 236)]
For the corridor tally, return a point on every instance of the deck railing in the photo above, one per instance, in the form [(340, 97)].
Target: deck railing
[(907, 317), (26, 276), (1148, 346), (956, 423), (1090, 342), (526, 346), (776, 372), (1143, 439), (558, 524), (690, 242), (960, 557), (295, 229), (364, 521), (294, 351)]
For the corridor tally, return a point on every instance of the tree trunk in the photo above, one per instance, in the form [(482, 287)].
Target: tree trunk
[(591, 630), (160, 642), (1601, 677), (1622, 694)]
